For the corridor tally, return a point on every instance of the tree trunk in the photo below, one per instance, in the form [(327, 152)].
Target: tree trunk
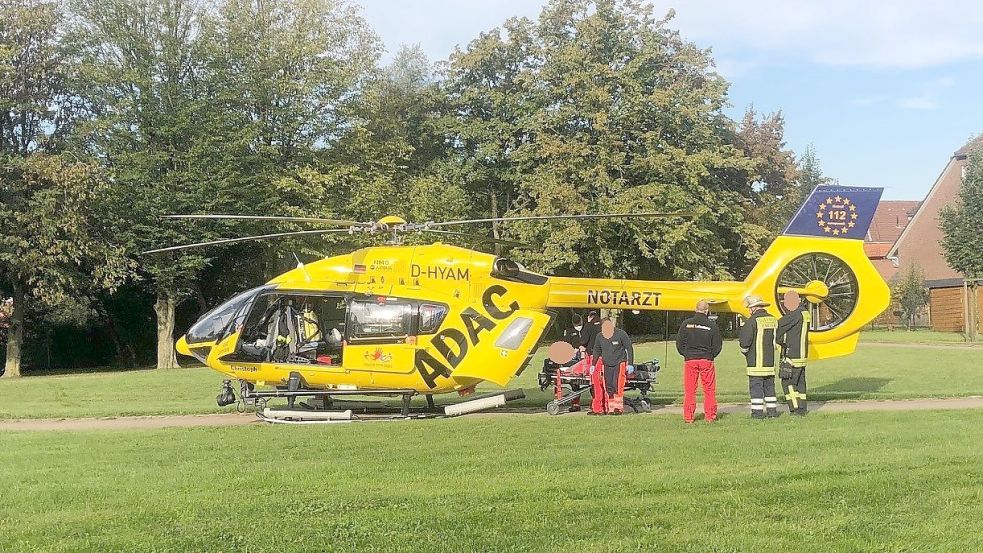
[(166, 356), (15, 335)]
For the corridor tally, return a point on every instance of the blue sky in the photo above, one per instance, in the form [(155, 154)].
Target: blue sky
[(884, 90)]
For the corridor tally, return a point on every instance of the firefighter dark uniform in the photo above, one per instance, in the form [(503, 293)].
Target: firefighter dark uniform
[(589, 333), (611, 358), (757, 339), (793, 336)]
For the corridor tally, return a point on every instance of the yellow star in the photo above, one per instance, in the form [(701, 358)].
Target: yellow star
[(838, 199), (829, 200), (846, 201), (826, 229), (853, 208), (819, 214), (851, 224), (822, 207), (822, 223), (836, 232), (853, 216)]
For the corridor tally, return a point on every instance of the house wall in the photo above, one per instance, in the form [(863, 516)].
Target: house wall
[(920, 242)]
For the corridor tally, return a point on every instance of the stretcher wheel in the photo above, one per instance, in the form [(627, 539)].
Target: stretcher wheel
[(553, 408)]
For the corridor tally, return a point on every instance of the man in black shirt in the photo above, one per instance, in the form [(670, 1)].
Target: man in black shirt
[(588, 334), (613, 356), (699, 342), (793, 336)]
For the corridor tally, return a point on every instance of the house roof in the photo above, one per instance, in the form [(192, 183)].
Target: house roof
[(890, 220), (876, 250), (974, 144)]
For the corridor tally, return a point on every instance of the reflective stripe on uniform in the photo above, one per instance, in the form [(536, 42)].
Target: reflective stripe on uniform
[(764, 330)]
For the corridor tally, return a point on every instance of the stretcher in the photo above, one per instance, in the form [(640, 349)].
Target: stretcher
[(572, 380)]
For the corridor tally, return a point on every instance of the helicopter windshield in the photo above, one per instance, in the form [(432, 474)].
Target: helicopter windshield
[(212, 326)]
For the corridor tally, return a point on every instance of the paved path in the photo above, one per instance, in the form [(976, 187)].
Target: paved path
[(918, 345), (185, 421)]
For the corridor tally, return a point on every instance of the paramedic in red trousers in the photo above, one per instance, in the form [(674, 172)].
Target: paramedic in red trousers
[(699, 342), (613, 357)]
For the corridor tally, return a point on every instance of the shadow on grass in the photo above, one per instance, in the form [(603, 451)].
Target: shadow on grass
[(849, 388)]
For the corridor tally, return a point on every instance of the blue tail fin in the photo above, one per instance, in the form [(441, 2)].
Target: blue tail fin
[(836, 212)]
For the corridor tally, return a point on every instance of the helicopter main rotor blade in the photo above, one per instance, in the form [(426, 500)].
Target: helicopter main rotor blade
[(653, 214), (285, 219), (486, 239), (244, 239)]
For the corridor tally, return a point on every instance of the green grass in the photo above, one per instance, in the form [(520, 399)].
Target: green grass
[(918, 336), (886, 482), (873, 372)]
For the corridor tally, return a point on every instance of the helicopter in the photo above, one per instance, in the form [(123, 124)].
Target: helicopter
[(401, 319)]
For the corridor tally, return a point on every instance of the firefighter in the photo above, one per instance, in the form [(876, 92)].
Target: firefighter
[(793, 336), (613, 357), (699, 342), (757, 340)]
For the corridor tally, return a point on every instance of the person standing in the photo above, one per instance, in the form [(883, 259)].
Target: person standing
[(793, 336), (588, 335), (613, 357), (757, 340), (699, 342)]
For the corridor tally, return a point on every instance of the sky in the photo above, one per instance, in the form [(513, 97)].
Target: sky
[(885, 91)]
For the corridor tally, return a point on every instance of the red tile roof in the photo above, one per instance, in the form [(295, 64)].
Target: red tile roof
[(876, 250), (890, 219)]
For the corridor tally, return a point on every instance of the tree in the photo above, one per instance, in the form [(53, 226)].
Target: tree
[(962, 222), (910, 295), (53, 251), (144, 65), (600, 107)]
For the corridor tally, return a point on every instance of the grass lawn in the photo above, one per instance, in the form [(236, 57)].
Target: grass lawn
[(887, 482), (873, 372)]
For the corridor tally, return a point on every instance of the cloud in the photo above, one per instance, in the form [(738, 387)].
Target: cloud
[(929, 95), (876, 33)]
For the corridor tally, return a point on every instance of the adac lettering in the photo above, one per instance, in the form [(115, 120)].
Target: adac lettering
[(623, 297), (437, 272), (452, 344)]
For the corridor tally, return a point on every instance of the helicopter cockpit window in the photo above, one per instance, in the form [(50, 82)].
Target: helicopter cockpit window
[(296, 329), (431, 315), (214, 325), (375, 320)]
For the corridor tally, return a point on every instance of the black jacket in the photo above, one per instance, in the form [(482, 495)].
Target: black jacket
[(588, 334), (793, 335), (757, 339), (699, 338), (615, 351), (572, 337)]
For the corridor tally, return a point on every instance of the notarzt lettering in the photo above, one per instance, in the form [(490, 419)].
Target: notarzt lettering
[(622, 297), (437, 272)]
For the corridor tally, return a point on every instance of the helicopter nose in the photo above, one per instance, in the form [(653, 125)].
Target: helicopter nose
[(182, 346)]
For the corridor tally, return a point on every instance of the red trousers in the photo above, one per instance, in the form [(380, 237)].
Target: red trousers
[(604, 400), (704, 371)]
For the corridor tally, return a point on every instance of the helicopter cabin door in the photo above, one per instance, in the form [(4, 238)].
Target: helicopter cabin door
[(287, 328), (381, 333)]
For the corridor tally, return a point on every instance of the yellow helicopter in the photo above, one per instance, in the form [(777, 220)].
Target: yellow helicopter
[(432, 319)]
